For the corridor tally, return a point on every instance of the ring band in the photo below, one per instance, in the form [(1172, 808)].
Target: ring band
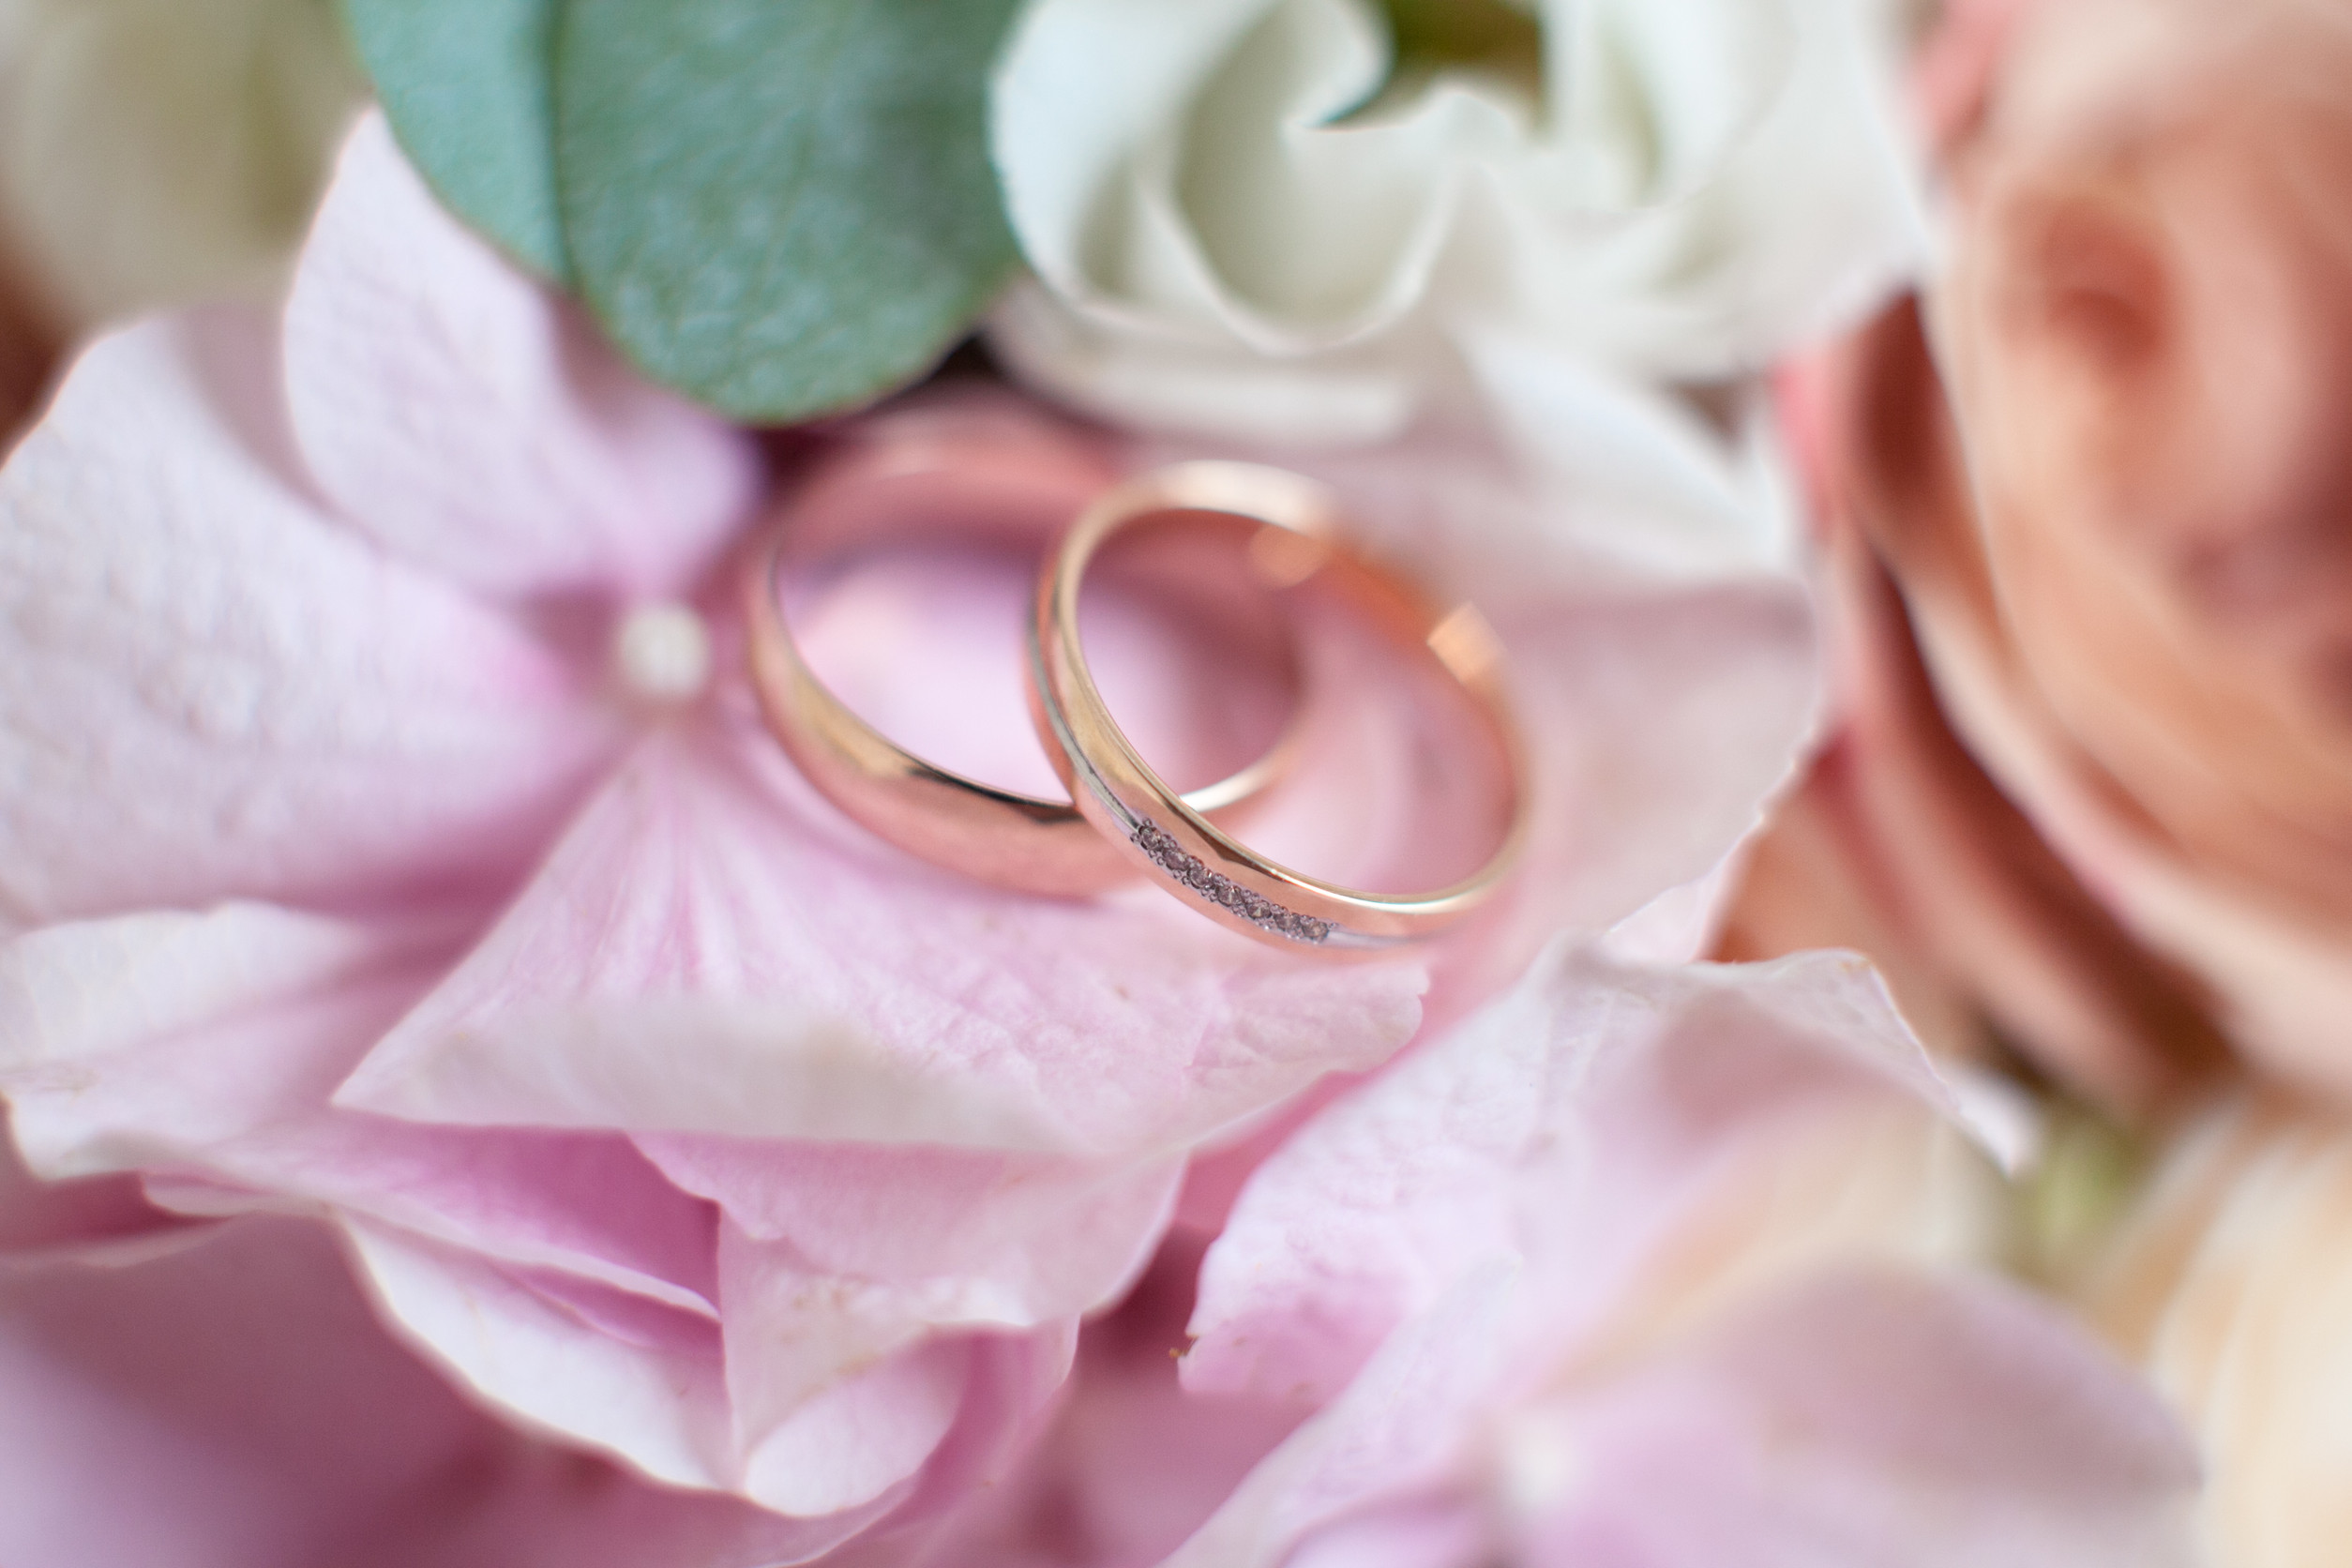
[(1298, 537), (997, 836)]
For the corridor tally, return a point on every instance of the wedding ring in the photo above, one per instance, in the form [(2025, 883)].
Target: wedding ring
[(997, 836), (1298, 537)]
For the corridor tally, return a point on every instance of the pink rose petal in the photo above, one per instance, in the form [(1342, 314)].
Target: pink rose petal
[(234, 1405), (207, 688), (204, 1046), (41, 1218), (1397, 1431), (842, 1388), (833, 1405), (1012, 1385), (586, 1206), (114, 1458), (1010, 1239), (1411, 1535), (1660, 724), (804, 1333), (699, 956), (1867, 1417), (474, 423), (661, 1409), (1132, 1465), (1557, 1130), (152, 1037), (859, 1440), (1424, 1262)]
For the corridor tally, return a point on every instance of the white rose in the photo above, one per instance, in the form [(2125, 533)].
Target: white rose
[(1266, 219), (156, 152)]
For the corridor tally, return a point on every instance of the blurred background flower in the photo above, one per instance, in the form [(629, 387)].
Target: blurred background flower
[(2103, 466), (155, 153), (2085, 505), (2230, 1279), (2149, 329)]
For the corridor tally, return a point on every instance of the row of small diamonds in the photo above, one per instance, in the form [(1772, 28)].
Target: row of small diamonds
[(1169, 856)]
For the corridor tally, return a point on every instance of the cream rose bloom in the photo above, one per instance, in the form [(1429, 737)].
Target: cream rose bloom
[(1313, 220), (156, 152), (2231, 1282)]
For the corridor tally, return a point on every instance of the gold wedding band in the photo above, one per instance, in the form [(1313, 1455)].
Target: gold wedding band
[(1298, 537), (997, 836)]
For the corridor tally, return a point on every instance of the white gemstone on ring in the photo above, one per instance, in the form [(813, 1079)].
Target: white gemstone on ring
[(1163, 850)]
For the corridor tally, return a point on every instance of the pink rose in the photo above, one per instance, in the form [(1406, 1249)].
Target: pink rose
[(390, 841)]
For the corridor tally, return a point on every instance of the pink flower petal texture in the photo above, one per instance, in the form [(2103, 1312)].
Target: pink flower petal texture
[(700, 955), (202, 1047), (452, 409), (1132, 1463), (39, 1218), (671, 1116), (1420, 1265), (229, 1402), (212, 687), (1559, 1129), (1867, 1416), (555, 1271)]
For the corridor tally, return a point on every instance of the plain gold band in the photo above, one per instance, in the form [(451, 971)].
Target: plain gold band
[(1157, 830), (996, 836)]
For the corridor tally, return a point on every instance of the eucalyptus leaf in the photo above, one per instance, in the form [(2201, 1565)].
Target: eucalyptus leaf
[(465, 84), (781, 207)]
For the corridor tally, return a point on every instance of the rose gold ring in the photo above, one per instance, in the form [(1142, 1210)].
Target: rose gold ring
[(995, 835), (1297, 539)]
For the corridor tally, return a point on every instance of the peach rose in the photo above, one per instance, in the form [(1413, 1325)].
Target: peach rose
[(2115, 495)]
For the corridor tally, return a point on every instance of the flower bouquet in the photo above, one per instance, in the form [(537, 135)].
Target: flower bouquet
[(1109, 783)]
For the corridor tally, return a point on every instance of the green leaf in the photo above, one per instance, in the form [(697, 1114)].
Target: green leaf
[(782, 207), (465, 84)]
